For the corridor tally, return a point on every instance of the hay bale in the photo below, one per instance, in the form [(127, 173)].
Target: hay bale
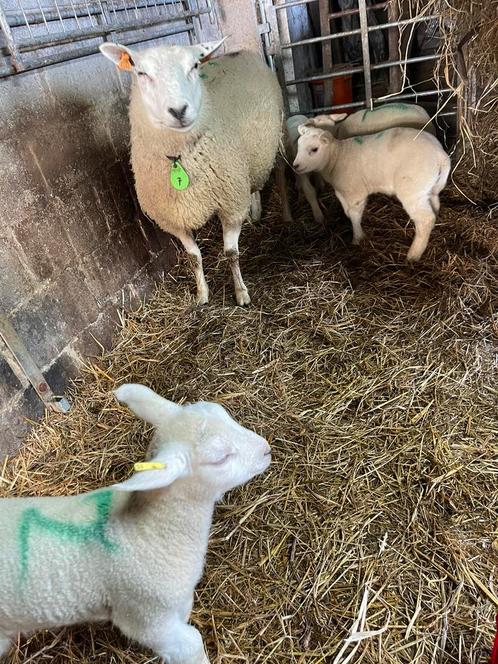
[(373, 381), (468, 31)]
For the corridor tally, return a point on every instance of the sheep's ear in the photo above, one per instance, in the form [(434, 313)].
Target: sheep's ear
[(206, 49), (338, 117), (325, 137), (165, 468), (319, 120), (303, 129), (146, 404), (120, 55)]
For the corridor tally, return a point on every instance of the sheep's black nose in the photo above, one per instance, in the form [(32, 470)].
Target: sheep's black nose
[(178, 113)]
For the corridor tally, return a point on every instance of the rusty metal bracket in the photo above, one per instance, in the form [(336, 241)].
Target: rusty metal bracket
[(29, 368)]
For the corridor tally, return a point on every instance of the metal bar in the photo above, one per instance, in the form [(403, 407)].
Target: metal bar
[(295, 3), (393, 36), (60, 38), (324, 10), (29, 368), (365, 49), (353, 12), (9, 40), (358, 70), (34, 17), (350, 33), (90, 50), (357, 104)]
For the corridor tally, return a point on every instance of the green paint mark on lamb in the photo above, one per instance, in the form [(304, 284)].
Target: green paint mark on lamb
[(93, 531), (358, 139)]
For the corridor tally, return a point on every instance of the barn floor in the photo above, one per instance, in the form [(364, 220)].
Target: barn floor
[(375, 383)]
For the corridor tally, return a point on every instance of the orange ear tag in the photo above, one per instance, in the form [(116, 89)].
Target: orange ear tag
[(125, 62)]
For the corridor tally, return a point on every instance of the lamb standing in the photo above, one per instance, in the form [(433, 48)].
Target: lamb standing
[(204, 138), (134, 552), (342, 126), (401, 162)]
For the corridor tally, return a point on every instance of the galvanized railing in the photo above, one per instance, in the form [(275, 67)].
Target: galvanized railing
[(36, 35)]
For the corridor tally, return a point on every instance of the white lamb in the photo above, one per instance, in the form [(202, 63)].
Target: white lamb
[(204, 137), (342, 126), (400, 162), (131, 553)]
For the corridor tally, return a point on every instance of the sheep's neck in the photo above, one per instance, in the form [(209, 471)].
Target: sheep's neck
[(327, 171)]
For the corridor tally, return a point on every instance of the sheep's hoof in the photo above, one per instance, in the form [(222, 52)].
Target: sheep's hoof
[(358, 240), (413, 258), (319, 217), (202, 299), (242, 298)]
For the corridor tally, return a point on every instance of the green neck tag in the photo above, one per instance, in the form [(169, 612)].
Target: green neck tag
[(178, 176)]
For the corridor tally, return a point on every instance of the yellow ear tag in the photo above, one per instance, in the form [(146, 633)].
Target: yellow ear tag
[(178, 177), (125, 62), (148, 465)]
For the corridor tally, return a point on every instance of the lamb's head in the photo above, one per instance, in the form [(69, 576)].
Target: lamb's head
[(168, 80), (199, 444), (328, 121), (313, 149)]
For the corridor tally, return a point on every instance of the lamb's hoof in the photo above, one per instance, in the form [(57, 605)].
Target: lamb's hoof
[(412, 258), (319, 218), (358, 240), (201, 299), (242, 298)]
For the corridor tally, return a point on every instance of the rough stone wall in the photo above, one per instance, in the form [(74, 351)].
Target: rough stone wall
[(73, 247)]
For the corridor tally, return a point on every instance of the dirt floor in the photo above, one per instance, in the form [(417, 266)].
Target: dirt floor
[(375, 383)]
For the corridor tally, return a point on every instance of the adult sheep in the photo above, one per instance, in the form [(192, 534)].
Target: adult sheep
[(204, 137)]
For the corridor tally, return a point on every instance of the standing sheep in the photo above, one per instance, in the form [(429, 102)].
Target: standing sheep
[(342, 125), (399, 162), (204, 138), (134, 552)]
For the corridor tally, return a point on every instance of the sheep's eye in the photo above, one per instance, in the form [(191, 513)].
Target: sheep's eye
[(142, 73), (221, 461), (314, 149), (196, 66)]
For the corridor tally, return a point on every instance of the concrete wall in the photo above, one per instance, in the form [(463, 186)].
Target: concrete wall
[(73, 245)]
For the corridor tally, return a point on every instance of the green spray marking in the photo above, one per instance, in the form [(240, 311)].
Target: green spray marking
[(201, 75), (358, 139), (398, 107), (94, 531)]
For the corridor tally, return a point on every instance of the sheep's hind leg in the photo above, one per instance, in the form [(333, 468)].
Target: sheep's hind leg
[(231, 232), (191, 247), (423, 216), (310, 193)]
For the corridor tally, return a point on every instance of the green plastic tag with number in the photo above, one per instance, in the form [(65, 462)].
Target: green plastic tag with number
[(178, 177)]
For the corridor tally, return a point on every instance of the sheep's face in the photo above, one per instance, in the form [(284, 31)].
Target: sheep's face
[(199, 443), (313, 149), (168, 80)]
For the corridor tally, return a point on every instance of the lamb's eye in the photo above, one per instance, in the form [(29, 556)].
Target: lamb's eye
[(221, 461), (196, 66), (314, 149), (142, 73)]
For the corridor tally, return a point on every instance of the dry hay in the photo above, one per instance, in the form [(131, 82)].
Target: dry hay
[(373, 381), (469, 49)]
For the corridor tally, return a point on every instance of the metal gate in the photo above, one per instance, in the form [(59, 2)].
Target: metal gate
[(37, 33), (311, 54)]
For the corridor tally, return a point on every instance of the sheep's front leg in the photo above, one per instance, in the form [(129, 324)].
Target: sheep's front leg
[(179, 644), (187, 239), (310, 193), (231, 232), (4, 645), (354, 210)]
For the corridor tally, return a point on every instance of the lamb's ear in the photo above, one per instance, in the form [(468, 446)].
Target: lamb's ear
[(204, 50), (166, 467), (325, 137), (304, 128), (120, 55), (146, 404), (338, 117), (319, 120)]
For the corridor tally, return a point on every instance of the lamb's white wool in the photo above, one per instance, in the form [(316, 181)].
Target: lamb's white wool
[(342, 125), (205, 114), (134, 552), (399, 162), (365, 122)]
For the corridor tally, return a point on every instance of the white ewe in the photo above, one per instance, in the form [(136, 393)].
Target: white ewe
[(134, 552), (399, 162), (204, 137)]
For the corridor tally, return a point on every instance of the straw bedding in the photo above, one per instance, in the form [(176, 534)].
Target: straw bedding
[(375, 383)]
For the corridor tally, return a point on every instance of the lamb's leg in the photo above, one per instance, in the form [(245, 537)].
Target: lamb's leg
[(424, 218), (435, 204), (231, 232), (354, 210), (256, 206), (187, 239), (5, 644), (282, 190), (310, 193)]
